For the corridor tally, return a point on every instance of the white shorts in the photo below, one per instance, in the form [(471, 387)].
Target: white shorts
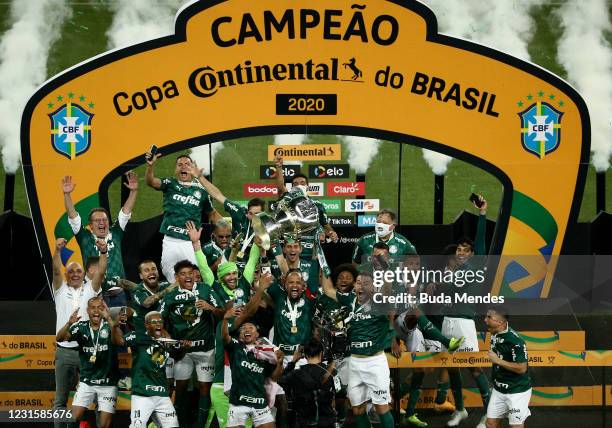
[(238, 415), (457, 327), (86, 394), (204, 363), (343, 370), (369, 380), (513, 406), (174, 250), (170, 368), (159, 408)]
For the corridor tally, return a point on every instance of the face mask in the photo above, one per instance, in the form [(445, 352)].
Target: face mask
[(383, 229), (303, 188)]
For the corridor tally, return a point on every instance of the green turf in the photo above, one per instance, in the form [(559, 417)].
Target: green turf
[(84, 36)]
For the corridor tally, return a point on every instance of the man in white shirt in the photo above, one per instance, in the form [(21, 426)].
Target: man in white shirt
[(71, 294)]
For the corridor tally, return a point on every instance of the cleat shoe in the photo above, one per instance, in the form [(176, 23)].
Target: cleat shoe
[(446, 407), (483, 422), (455, 344), (457, 417), (415, 421)]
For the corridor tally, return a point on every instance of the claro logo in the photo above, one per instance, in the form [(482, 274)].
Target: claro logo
[(257, 189), (345, 188)]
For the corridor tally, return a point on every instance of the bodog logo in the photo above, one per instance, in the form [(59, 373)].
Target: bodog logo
[(257, 189), (329, 171)]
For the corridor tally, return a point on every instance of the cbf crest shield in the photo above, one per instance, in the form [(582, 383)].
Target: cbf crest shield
[(541, 128), (71, 130)]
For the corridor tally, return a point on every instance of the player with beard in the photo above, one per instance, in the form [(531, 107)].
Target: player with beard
[(189, 312), (218, 250), (99, 228), (247, 394), (148, 294), (150, 396), (290, 254), (98, 368), (368, 331), (184, 200), (301, 181)]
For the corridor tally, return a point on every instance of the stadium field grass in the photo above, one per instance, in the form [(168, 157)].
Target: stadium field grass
[(238, 162)]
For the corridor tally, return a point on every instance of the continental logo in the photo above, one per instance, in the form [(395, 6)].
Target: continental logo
[(306, 152)]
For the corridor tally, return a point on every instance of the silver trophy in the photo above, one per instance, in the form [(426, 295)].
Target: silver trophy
[(295, 215)]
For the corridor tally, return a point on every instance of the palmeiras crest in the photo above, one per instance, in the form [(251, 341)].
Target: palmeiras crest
[(540, 128), (71, 130)]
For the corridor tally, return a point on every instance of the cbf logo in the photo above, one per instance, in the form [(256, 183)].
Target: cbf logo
[(70, 125), (541, 124)]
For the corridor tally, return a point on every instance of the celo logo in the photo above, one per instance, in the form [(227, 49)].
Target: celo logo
[(366, 220), (269, 171), (345, 188), (361, 205), (258, 189), (70, 125), (332, 205), (328, 171)]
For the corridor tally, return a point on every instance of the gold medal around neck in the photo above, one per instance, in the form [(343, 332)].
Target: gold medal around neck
[(92, 359), (240, 254), (294, 329)]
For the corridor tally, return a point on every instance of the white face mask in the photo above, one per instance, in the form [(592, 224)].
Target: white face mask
[(383, 229), (303, 188)]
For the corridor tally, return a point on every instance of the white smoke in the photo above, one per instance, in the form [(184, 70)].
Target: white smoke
[(136, 21), (290, 140), (24, 50), (505, 25), (362, 151), (202, 155), (587, 57)]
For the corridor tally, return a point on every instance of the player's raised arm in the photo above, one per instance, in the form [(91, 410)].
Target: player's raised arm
[(229, 313), (212, 190), (132, 185), (194, 235), (280, 175), (98, 278), (63, 335), (67, 188), (150, 177), (60, 243)]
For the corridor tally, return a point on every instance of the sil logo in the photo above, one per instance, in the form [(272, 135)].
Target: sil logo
[(71, 124), (541, 123)]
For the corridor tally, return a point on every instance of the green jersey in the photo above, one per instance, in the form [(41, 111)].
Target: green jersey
[(97, 354), (185, 321), (241, 294), (139, 296), (509, 346), (368, 332), (305, 266), (149, 359), (183, 202), (212, 252), (87, 243), (248, 376), (398, 246)]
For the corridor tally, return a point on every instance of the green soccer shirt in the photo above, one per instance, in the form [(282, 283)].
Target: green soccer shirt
[(148, 365), (509, 346), (368, 331), (104, 370), (87, 243), (398, 246), (248, 376), (139, 296), (185, 321), (212, 252), (182, 202)]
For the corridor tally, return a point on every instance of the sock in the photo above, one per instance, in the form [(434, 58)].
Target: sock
[(431, 332), (442, 392), (203, 408), (363, 421), (483, 387), (341, 410), (415, 391), (386, 420), (404, 387), (180, 405), (456, 387)]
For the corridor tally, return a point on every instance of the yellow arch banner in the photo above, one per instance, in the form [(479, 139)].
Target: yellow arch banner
[(240, 68)]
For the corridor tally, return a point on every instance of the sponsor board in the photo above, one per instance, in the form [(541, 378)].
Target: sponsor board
[(314, 189), (332, 205), (261, 190), (329, 171), (543, 340), (366, 220), (361, 205), (35, 344), (268, 172), (346, 188), (10, 400), (306, 152), (34, 361), (344, 220)]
